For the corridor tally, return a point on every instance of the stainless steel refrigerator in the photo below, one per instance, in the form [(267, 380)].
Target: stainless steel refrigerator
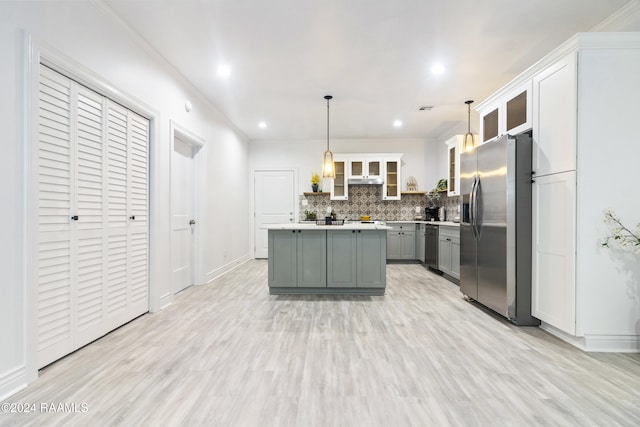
[(495, 227)]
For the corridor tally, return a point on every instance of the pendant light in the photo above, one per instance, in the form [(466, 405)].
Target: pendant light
[(328, 168), (469, 142)]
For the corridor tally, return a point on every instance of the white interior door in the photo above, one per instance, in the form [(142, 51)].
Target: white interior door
[(274, 198), (183, 223)]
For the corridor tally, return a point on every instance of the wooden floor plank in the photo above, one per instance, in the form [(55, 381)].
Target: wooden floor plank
[(230, 354)]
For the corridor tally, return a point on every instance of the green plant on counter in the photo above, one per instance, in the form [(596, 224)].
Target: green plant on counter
[(442, 185), (620, 234), (315, 178), (310, 215)]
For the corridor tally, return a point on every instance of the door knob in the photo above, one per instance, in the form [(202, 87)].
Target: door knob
[(192, 222)]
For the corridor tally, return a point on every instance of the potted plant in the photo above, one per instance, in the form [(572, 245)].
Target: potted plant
[(309, 216), (315, 180)]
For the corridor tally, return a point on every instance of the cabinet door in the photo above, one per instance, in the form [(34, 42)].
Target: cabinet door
[(341, 262), (392, 180), (554, 118), (420, 243), (312, 258), (357, 168), (374, 168), (339, 184), (394, 245), (362, 167), (408, 242), (455, 258), (283, 270), (452, 164), (490, 121), (554, 237), (444, 254), (372, 267), (517, 110)]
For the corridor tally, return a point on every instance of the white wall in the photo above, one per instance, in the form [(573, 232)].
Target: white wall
[(87, 36), (608, 280)]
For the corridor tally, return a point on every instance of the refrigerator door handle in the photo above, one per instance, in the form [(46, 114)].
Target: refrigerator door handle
[(472, 205), (476, 227)]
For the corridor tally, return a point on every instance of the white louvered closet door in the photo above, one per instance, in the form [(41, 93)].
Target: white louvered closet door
[(89, 206), (92, 209), (55, 175), (127, 222)]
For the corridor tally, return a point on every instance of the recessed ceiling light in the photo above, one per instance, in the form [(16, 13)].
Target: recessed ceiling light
[(397, 123), (437, 69), (262, 125), (224, 71)]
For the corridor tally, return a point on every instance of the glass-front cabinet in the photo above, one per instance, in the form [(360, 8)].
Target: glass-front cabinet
[(365, 168), (507, 114), (340, 184), (367, 165), (392, 179)]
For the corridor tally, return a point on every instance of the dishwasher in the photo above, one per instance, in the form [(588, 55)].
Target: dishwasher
[(431, 246)]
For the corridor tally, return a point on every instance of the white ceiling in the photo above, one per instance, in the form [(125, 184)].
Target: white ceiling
[(373, 56)]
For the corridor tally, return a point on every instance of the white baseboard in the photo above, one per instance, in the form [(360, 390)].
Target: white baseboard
[(166, 300), (598, 343), (221, 271), (12, 382)]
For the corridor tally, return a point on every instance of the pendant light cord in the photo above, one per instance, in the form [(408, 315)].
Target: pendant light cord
[(328, 97)]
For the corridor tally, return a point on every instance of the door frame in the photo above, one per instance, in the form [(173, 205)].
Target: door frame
[(38, 52), (296, 208), (197, 143)]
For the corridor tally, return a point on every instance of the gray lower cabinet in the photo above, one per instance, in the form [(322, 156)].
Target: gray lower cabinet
[(449, 251), (297, 258), (401, 241), (420, 242), (356, 259)]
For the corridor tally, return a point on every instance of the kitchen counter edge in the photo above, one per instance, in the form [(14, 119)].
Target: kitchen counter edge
[(298, 226)]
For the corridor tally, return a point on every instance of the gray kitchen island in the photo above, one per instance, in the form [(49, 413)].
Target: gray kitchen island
[(327, 259)]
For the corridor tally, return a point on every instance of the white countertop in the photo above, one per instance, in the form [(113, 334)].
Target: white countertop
[(312, 226)]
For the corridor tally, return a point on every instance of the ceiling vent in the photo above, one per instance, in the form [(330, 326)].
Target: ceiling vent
[(425, 108)]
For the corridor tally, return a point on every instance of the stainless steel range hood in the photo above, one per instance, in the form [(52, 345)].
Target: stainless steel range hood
[(366, 181)]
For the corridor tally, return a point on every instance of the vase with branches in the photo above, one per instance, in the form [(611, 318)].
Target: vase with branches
[(620, 234)]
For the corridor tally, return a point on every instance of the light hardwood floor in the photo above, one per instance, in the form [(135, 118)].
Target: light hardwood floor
[(230, 354)]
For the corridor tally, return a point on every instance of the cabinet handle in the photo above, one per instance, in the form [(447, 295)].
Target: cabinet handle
[(293, 231), (132, 217), (74, 218), (353, 231), (299, 231)]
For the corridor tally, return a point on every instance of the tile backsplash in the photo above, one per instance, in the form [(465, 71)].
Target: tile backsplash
[(367, 200)]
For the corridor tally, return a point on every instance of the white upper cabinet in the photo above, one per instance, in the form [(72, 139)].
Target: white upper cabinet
[(454, 147), (365, 168), (392, 178), (508, 112), (555, 106), (340, 184), (386, 166)]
